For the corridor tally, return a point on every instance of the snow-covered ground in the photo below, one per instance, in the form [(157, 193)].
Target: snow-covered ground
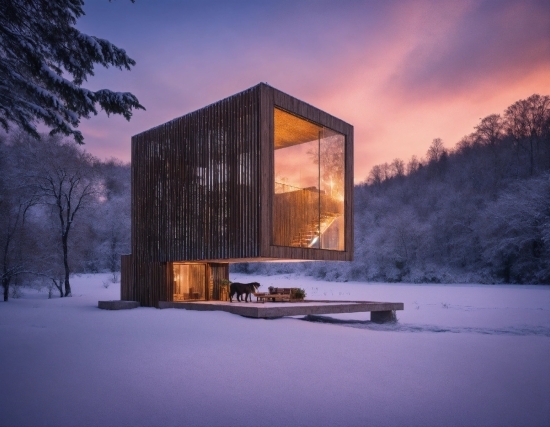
[(459, 355)]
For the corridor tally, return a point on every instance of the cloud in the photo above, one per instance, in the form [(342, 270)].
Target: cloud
[(402, 73), (486, 41)]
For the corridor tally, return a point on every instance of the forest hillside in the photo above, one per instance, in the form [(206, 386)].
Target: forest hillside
[(479, 212)]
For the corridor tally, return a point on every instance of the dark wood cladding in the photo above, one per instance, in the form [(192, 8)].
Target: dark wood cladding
[(195, 185), (146, 282), (127, 279), (152, 282), (217, 273), (203, 191)]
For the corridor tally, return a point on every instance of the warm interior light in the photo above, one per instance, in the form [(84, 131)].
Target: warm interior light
[(309, 184)]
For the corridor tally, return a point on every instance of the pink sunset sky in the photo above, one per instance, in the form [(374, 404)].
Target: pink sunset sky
[(401, 72)]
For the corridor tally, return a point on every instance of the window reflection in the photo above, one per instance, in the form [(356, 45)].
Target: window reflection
[(308, 202)]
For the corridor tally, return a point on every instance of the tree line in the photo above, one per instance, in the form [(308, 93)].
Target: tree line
[(478, 213), (61, 211)]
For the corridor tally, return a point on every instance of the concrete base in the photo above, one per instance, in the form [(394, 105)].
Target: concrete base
[(383, 316), (280, 309), (117, 305)]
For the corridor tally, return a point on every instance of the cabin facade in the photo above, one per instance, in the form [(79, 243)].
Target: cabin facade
[(258, 176)]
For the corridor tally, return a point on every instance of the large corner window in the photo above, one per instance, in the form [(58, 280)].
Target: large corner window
[(308, 200)]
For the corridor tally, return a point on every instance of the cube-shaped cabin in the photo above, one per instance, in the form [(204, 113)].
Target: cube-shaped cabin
[(258, 176)]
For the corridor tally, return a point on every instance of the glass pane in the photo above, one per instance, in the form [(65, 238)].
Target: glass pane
[(332, 161), (189, 282), (309, 184)]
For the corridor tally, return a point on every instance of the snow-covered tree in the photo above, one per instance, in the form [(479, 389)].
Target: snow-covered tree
[(66, 180), (513, 229), (479, 212), (44, 60), (111, 216), (16, 197)]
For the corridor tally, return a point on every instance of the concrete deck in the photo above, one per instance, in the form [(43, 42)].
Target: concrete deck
[(380, 311), (117, 305)]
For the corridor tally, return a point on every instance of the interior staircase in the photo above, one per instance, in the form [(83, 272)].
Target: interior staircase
[(309, 235)]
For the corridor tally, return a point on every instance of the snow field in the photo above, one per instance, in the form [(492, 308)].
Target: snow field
[(459, 355)]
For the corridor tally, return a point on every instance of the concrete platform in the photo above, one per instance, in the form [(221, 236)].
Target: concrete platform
[(117, 305), (380, 311)]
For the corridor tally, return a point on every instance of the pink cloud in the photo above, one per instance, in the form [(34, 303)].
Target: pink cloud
[(402, 73)]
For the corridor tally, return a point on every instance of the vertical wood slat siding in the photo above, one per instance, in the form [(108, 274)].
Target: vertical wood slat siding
[(266, 170), (191, 202), (126, 278), (189, 199), (218, 272), (197, 195)]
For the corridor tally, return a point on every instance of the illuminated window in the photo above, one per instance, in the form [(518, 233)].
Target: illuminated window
[(189, 282), (308, 200)]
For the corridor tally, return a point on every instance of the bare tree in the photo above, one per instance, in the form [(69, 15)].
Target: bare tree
[(437, 158), (386, 171), (45, 231), (113, 231), (65, 180), (375, 176), (413, 165), (16, 197), (527, 122), (491, 130), (436, 150), (13, 221), (398, 167), (490, 133)]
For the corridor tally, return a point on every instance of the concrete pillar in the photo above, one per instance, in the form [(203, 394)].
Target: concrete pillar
[(383, 316)]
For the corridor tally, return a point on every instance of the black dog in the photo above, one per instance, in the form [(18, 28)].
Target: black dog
[(242, 288)]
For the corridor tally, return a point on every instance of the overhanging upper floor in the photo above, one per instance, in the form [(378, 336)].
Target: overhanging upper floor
[(257, 176)]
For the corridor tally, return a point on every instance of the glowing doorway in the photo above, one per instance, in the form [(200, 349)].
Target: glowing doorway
[(189, 282)]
